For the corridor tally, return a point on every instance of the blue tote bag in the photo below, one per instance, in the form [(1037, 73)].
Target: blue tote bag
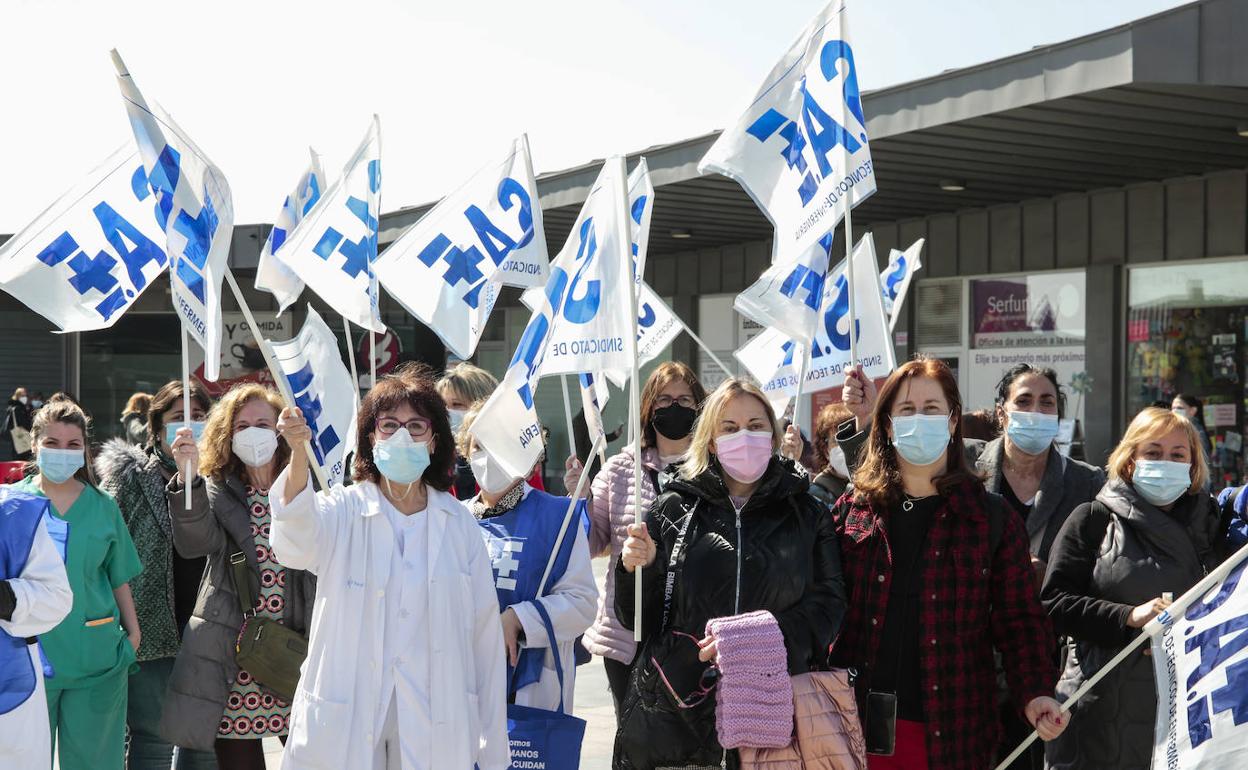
[(541, 738)]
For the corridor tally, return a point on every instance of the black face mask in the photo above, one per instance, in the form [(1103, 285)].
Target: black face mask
[(674, 421)]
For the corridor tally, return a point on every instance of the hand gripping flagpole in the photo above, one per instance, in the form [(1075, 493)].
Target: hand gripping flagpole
[(279, 377), (1152, 628), (187, 474)]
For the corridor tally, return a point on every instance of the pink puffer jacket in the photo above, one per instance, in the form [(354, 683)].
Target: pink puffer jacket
[(611, 512)]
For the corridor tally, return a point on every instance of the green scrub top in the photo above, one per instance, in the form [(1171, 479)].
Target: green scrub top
[(99, 558)]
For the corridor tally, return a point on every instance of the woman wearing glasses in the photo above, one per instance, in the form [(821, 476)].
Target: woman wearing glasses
[(734, 532), (669, 407), (405, 663), (212, 704)]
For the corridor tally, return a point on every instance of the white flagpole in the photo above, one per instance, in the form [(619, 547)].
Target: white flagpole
[(567, 413), (849, 285), (705, 348), (187, 475), (355, 378), (626, 257), (1151, 629), (372, 359), (283, 386), (567, 519)]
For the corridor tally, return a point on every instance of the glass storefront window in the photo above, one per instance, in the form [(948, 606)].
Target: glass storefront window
[(1186, 325), (1035, 319), (139, 353)]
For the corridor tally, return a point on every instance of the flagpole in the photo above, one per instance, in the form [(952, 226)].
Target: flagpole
[(279, 378), (705, 348), (355, 378), (567, 413), (187, 476), (849, 283), (626, 262), (372, 359), (567, 517), (1152, 628)]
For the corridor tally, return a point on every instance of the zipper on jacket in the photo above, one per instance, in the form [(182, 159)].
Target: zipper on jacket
[(736, 603)]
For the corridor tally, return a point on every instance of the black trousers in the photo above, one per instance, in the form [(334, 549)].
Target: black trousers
[(617, 680)]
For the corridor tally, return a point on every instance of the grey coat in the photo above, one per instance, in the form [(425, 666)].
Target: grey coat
[(205, 669), (1115, 554), (1066, 484)]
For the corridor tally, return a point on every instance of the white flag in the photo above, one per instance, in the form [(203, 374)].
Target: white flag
[(657, 326), (896, 278), (333, 249), (788, 295), (86, 259), (577, 297), (272, 276), (588, 282), (447, 267), (323, 391), (770, 357), (1200, 663), (194, 208), (800, 149)]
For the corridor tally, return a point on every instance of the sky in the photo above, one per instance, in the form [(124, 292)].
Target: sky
[(256, 83)]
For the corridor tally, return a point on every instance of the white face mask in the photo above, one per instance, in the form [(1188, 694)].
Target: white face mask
[(489, 475), (836, 460), (23, 400), (255, 446)]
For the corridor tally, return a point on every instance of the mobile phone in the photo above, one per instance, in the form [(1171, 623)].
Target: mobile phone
[(880, 725)]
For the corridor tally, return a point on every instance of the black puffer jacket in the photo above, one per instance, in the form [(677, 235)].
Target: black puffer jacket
[(790, 564)]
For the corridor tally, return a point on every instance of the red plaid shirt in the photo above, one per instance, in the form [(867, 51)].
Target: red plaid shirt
[(973, 601)]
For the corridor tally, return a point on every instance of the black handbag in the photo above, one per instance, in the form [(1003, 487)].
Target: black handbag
[(267, 650)]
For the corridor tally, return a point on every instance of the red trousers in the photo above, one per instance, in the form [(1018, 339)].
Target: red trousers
[(910, 752)]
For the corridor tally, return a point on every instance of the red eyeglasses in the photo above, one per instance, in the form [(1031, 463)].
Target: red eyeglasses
[(706, 682)]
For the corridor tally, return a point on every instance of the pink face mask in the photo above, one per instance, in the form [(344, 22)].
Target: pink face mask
[(745, 454)]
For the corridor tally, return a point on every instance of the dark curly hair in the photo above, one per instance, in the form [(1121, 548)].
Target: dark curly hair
[(413, 384), (1011, 376)]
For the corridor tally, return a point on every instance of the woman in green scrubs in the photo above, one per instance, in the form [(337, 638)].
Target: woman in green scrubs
[(92, 650)]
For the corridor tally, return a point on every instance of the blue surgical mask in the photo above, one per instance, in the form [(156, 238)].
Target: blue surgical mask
[(921, 438), (59, 465), (1161, 482), (1032, 432), (171, 431), (400, 459)]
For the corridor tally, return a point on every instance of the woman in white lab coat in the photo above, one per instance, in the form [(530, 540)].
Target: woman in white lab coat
[(521, 526), (34, 598), (405, 665)]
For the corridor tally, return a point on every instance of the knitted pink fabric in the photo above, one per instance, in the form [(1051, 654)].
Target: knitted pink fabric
[(754, 698)]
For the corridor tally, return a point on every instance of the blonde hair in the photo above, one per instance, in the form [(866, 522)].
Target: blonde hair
[(463, 439), (1150, 424), (216, 449), (470, 382), (698, 458), (68, 413)]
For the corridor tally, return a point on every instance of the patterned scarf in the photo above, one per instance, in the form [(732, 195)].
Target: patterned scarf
[(508, 502)]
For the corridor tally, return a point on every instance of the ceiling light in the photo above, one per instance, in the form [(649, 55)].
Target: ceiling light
[(682, 234), (1242, 130), (953, 185)]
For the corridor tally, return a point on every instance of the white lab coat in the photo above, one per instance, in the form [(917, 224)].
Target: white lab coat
[(345, 538), (572, 603), (44, 599)]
